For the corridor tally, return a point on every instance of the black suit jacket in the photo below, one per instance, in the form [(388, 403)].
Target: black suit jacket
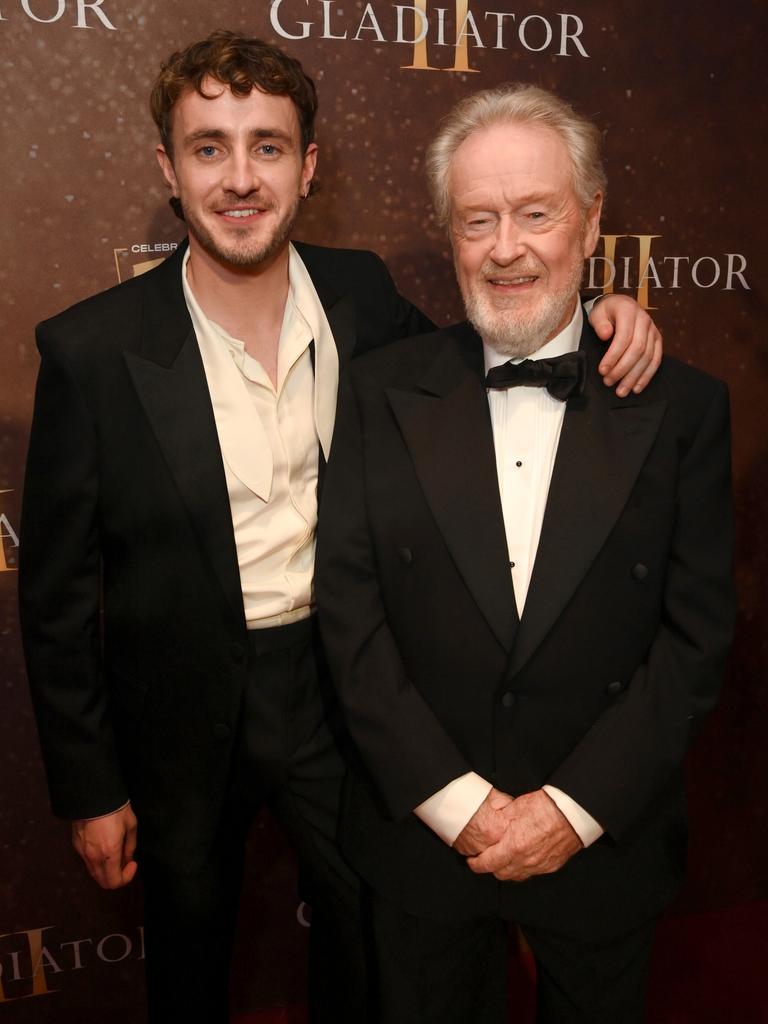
[(620, 648), (131, 606)]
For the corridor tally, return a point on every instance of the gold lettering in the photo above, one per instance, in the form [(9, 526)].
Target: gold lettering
[(142, 268), (465, 25), (38, 955), (609, 269), (116, 253), (467, 22), (420, 54), (123, 266), (646, 269), (6, 530)]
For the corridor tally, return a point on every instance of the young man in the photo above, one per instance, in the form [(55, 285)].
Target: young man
[(525, 592), (181, 422)]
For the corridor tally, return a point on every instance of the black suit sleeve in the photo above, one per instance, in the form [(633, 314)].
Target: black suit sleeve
[(404, 747), (634, 747), (384, 315), (60, 586), (409, 319)]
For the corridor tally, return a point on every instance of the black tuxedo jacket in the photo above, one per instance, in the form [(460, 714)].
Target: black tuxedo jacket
[(620, 648), (132, 611)]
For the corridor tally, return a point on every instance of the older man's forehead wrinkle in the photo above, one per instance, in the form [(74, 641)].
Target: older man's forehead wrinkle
[(555, 203), (504, 157), (480, 194)]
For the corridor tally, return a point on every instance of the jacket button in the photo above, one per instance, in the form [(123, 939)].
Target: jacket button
[(507, 700), (406, 554), (615, 687), (221, 731), (639, 572), (237, 651)]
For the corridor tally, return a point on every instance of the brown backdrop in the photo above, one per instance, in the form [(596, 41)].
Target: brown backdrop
[(680, 92)]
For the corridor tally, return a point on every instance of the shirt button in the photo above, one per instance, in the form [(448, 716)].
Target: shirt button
[(518, 463), (615, 687), (511, 565), (237, 651), (221, 731), (406, 555), (508, 700), (640, 572)]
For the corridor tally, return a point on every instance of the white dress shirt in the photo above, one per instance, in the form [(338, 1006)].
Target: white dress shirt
[(269, 437), (526, 425)]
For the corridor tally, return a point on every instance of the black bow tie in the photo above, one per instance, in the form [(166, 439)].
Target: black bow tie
[(562, 376)]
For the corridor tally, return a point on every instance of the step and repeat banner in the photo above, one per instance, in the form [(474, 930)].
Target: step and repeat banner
[(680, 93)]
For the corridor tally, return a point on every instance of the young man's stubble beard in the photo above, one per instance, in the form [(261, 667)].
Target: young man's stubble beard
[(242, 253)]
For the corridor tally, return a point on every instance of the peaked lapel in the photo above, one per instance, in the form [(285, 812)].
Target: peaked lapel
[(339, 309), (603, 444), (341, 314), (167, 372), (446, 425)]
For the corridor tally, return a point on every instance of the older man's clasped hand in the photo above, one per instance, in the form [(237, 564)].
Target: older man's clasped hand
[(516, 838)]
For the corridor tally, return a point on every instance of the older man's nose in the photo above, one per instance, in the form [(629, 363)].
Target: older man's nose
[(508, 243)]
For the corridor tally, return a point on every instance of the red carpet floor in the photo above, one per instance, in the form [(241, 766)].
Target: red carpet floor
[(707, 969)]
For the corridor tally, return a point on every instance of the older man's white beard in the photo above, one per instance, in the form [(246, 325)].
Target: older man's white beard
[(515, 333)]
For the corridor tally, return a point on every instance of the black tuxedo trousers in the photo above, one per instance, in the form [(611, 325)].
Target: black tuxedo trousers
[(450, 972), (287, 757)]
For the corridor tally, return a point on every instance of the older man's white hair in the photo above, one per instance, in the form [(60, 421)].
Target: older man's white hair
[(519, 104)]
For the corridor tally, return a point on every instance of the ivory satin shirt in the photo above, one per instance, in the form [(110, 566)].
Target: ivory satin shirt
[(270, 439)]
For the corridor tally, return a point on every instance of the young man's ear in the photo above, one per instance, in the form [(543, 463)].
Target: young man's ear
[(308, 169), (166, 166)]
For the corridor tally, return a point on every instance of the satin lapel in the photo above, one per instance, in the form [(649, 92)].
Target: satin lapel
[(342, 318), (446, 425), (167, 372), (604, 442)]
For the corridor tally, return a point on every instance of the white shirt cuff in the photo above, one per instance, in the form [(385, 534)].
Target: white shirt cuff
[(582, 823), (448, 811)]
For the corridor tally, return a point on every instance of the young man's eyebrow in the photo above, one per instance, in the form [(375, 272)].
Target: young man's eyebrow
[(220, 133), (272, 133)]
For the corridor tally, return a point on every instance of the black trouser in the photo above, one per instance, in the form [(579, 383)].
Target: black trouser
[(456, 973), (287, 757)]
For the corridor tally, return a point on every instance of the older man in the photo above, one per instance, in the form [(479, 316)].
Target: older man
[(525, 594)]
